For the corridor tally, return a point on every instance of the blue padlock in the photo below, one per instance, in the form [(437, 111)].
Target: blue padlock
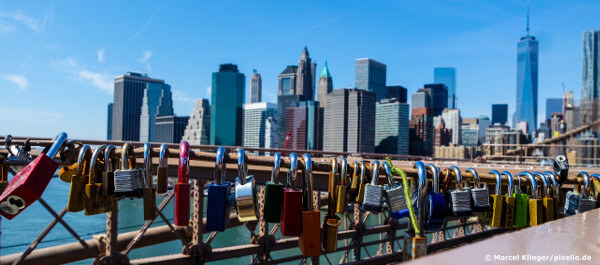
[(219, 195), (436, 208)]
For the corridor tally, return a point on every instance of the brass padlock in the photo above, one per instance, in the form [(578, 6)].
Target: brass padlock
[(509, 212), (65, 173), (498, 202), (364, 168), (535, 205), (310, 239), (556, 186), (332, 221), (79, 180), (162, 176), (342, 188), (149, 192), (353, 192), (95, 201), (108, 176), (547, 201)]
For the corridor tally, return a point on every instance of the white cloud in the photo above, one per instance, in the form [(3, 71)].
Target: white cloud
[(18, 80), (28, 21), (101, 81), (6, 28), (100, 54), (178, 96), (28, 115), (145, 57)]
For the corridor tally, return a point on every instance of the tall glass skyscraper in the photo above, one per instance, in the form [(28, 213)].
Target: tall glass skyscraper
[(227, 100), (499, 114), (527, 82), (157, 101), (371, 76), (391, 126), (447, 76), (590, 77), (255, 88)]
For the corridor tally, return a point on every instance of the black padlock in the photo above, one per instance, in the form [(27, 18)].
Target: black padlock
[(561, 167)]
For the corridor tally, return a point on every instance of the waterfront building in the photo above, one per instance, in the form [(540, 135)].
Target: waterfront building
[(197, 131), (227, 99), (391, 126)]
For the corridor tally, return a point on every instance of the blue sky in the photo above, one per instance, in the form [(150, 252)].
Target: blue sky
[(58, 59)]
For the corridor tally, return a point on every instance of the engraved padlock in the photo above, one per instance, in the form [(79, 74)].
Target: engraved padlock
[(76, 201), (498, 202), (586, 202), (245, 191), (547, 201), (273, 200), (342, 187), (162, 176), (291, 220), (95, 200), (218, 193), (182, 188), (394, 195), (521, 205), (480, 195), (535, 203), (373, 192), (460, 198), (310, 239), (129, 181), (510, 202), (435, 205), (149, 191), (332, 221)]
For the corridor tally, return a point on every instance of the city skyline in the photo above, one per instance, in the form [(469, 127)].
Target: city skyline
[(52, 55)]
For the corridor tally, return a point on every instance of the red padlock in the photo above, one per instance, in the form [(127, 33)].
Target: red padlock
[(291, 221), (28, 185), (182, 188)]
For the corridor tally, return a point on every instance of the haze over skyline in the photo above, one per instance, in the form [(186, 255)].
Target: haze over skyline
[(59, 59)]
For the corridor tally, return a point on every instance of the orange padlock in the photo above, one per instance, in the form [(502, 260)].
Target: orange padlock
[(310, 239)]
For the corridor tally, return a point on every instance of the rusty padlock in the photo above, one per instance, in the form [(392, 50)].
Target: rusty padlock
[(332, 221), (162, 177), (76, 201), (182, 188), (291, 220), (310, 239), (149, 191), (95, 201)]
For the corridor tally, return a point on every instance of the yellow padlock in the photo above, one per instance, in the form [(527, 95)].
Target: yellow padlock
[(535, 206), (79, 180), (498, 201), (95, 200), (353, 192), (547, 201), (342, 188), (364, 168), (67, 172), (509, 212)]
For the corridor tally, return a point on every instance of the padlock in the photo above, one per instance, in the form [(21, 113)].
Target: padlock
[(65, 173), (108, 175), (521, 206), (22, 154), (547, 201), (27, 186), (182, 188), (310, 239), (561, 168), (332, 221), (373, 192), (291, 221), (556, 192), (76, 201), (217, 205), (355, 183), (162, 176), (245, 191), (342, 188), (596, 194), (498, 202), (435, 204), (460, 198), (481, 195), (129, 181), (95, 201), (149, 192), (360, 196), (587, 202), (273, 200), (509, 212), (535, 204), (3, 178), (421, 197), (394, 196)]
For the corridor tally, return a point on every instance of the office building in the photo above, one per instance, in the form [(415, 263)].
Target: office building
[(157, 101), (391, 126), (283, 103), (587, 152), (325, 85), (455, 152), (255, 123), (553, 105), (420, 100), (227, 99), (169, 129), (305, 76), (441, 135), (590, 77), (127, 105), (438, 97), (572, 111), (271, 133), (109, 122), (453, 122), (197, 131), (527, 81), (287, 81), (470, 132), (500, 114), (484, 123), (255, 87), (447, 76), (371, 76), (397, 92), (421, 132), (349, 124)]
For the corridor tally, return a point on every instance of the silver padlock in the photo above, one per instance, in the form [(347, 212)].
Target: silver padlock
[(245, 191), (572, 198), (460, 198), (587, 202), (373, 192), (21, 155), (129, 181), (394, 195), (481, 195)]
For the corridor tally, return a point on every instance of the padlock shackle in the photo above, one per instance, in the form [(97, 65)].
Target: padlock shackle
[(344, 172), (560, 164), (363, 172), (292, 172), (95, 156), (220, 166), (585, 190), (375, 172), (183, 172), (498, 180), (333, 181), (546, 189), (389, 175), (555, 184), (163, 155), (476, 180), (511, 184), (110, 163), (85, 155), (242, 166), (8, 143), (459, 181), (276, 166), (126, 154), (307, 183), (59, 140), (355, 175), (435, 177), (532, 180), (421, 194), (148, 164)]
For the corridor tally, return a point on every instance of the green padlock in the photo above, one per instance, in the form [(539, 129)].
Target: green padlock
[(521, 206), (273, 200)]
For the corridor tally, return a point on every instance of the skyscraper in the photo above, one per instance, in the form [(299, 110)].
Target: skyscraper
[(287, 81), (169, 129), (227, 100), (255, 87), (527, 81), (197, 131), (255, 122), (453, 122), (447, 76), (127, 105), (302, 127), (391, 126), (421, 132), (438, 96), (371, 76), (470, 132), (157, 101), (109, 122), (325, 85), (286, 97), (499, 114), (397, 92), (553, 105), (590, 77), (349, 121), (305, 76)]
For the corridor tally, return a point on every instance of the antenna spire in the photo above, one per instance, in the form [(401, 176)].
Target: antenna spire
[(527, 19)]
